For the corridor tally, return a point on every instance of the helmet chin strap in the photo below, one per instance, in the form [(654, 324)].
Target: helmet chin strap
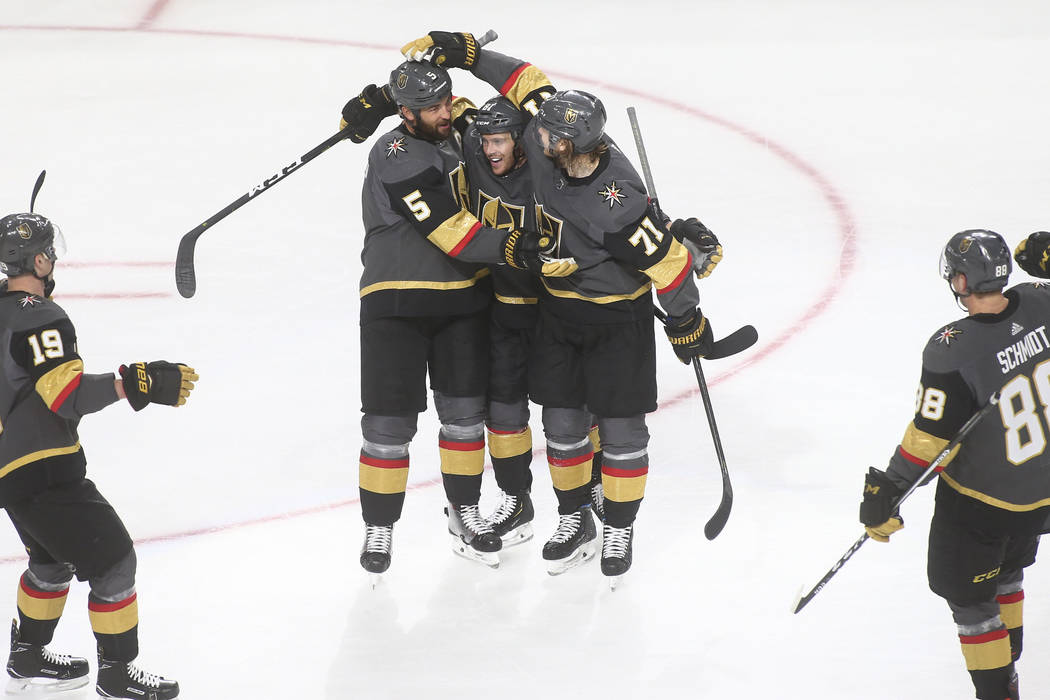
[(959, 297)]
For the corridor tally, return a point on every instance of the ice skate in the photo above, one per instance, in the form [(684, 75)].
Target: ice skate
[(375, 552), (617, 548), (512, 519), (573, 543), (472, 536), (117, 679), (37, 672)]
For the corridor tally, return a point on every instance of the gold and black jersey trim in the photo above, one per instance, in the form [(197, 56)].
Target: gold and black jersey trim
[(921, 448), (36, 457), (991, 500), (516, 300), (607, 299), (425, 284), (527, 87), (672, 270)]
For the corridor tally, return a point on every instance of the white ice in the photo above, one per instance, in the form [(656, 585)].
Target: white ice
[(833, 146)]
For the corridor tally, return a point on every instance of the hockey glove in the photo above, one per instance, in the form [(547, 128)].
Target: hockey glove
[(877, 510), (463, 113), (531, 251), (1033, 254), (701, 243), (690, 335), (446, 49), (363, 114), (157, 382)]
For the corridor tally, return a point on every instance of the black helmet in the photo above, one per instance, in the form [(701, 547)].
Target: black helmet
[(416, 84), (22, 238), (983, 256), (574, 115), (498, 116)]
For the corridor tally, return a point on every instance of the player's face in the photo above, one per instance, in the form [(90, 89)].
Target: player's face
[(499, 152), (436, 120)]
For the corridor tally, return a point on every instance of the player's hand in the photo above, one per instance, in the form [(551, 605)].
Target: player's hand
[(701, 243), (690, 335), (446, 49), (877, 509), (463, 113), (157, 382), (527, 250), (1033, 254), (363, 114)]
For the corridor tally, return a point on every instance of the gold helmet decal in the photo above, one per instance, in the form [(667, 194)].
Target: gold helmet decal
[(570, 116), (24, 231), (402, 80), (964, 244)]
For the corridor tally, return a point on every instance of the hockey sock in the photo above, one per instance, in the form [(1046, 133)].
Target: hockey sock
[(1011, 607), (38, 611), (511, 453), (116, 626), (995, 683), (571, 475), (462, 462), (623, 481), (596, 462), (382, 481)]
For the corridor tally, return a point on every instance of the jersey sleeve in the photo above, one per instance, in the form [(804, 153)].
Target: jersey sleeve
[(520, 82), (48, 353)]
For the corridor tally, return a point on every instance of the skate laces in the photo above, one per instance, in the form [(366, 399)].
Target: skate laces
[(568, 526), (472, 520), (378, 538), (137, 675), (56, 659), (507, 505), (615, 541)]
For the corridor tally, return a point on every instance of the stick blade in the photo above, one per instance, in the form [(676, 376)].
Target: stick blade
[(737, 341), (718, 521), (185, 276)]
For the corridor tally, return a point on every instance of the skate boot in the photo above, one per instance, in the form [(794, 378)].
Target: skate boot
[(117, 679), (472, 536), (35, 670), (617, 546), (512, 519), (375, 552), (597, 498), (572, 543)]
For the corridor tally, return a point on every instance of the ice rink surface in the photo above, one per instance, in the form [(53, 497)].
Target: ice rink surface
[(833, 147)]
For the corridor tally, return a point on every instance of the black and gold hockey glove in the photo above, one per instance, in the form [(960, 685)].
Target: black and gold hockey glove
[(363, 114), (527, 250), (1033, 254), (157, 382), (877, 509), (690, 335), (445, 49), (463, 113), (701, 243)]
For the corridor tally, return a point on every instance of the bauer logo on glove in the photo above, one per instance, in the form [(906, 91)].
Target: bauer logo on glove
[(157, 382)]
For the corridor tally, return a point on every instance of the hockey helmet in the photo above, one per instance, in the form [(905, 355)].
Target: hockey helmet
[(416, 84), (574, 115), (499, 116), (23, 237), (983, 256)]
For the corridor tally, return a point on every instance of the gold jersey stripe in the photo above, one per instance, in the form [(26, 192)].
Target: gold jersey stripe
[(1012, 614), (462, 462), (670, 268), (986, 651), (382, 480), (926, 447), (452, 232), (503, 445), (49, 608), (623, 489), (54, 383), (611, 299), (36, 457), (516, 300), (992, 501), (425, 284), (525, 80), (114, 621), (571, 476)]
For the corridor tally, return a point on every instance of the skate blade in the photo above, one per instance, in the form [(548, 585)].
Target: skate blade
[(522, 533), (614, 581), (583, 554), (42, 687), (489, 559), (374, 580)]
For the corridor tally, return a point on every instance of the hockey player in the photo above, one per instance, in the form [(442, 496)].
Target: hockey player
[(993, 497), (594, 341), (425, 295), (66, 525)]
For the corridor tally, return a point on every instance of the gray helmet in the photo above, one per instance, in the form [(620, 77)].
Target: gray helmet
[(574, 115), (22, 238), (983, 256), (416, 84), (498, 116)]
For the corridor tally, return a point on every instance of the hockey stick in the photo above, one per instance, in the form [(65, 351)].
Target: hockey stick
[(721, 516), (185, 273), (36, 189), (993, 401)]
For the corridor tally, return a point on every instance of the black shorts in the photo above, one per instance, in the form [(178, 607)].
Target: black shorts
[(509, 357), (964, 565), (397, 352), (609, 368), (71, 524)]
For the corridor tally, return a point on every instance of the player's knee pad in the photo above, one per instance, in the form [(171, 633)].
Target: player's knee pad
[(976, 618), (508, 416), (623, 436), (49, 577), (462, 411), (388, 436), (566, 428), (118, 581)]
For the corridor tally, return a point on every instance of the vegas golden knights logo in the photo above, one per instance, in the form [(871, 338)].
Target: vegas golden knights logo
[(549, 225), (24, 232), (402, 80), (964, 244), (570, 115), (495, 213), (460, 187)]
